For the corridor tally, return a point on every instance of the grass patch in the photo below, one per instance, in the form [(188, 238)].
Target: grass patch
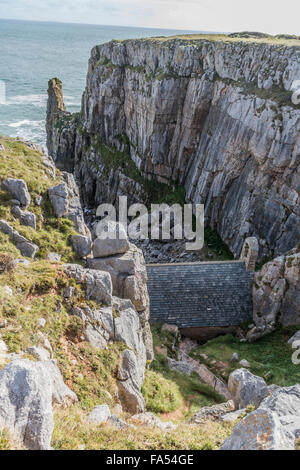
[(270, 355), (186, 392), (5, 443), (72, 431), (161, 395)]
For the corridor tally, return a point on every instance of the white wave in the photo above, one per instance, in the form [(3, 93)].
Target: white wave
[(29, 130), (26, 122), (39, 101), (71, 101)]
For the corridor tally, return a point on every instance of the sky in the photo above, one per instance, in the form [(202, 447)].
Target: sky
[(270, 16)]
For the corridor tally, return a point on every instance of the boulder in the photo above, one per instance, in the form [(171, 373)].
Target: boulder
[(118, 423), (181, 366), (244, 363), (150, 420), (58, 196), (38, 353), (128, 274), (82, 245), (26, 217), (234, 357), (212, 413), (273, 426), (99, 414), (27, 249), (233, 415), (18, 189), (27, 391), (246, 388), (54, 257), (111, 241), (260, 430), (97, 283)]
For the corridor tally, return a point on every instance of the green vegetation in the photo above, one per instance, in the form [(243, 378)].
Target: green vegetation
[(5, 443), (270, 357), (161, 395), (256, 38), (52, 234), (215, 244), (73, 432), (153, 191), (165, 390)]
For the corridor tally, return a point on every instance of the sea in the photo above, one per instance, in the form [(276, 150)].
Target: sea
[(33, 52)]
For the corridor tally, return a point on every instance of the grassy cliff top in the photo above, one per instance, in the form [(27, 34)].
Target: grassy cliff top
[(249, 38)]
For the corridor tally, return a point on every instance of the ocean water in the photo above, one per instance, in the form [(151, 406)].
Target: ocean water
[(33, 52)]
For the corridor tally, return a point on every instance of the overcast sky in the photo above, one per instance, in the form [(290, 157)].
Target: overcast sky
[(271, 16)]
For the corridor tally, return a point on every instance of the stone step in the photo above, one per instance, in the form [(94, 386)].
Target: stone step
[(200, 294)]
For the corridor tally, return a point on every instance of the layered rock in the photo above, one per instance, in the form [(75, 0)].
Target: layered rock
[(126, 265), (216, 117), (276, 294), (27, 391), (116, 320), (65, 200)]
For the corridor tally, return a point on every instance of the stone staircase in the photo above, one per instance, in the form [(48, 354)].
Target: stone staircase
[(193, 295)]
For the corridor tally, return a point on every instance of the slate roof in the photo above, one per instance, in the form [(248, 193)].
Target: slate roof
[(200, 294)]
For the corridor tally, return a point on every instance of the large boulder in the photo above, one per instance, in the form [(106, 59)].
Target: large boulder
[(246, 388), (82, 245), (18, 189), (275, 425), (260, 430), (113, 241), (26, 217), (97, 283), (27, 391), (99, 414), (285, 402)]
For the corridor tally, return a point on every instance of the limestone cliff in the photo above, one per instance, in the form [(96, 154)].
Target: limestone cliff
[(216, 117)]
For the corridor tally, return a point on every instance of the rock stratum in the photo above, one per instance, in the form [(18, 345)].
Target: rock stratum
[(213, 116)]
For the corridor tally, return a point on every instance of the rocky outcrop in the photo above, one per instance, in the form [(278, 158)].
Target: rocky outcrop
[(65, 200), (26, 247), (129, 280), (215, 117), (276, 294), (18, 189), (27, 391), (117, 321), (274, 425), (212, 413), (246, 388)]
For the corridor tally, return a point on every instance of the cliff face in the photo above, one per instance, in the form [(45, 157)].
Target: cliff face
[(216, 117)]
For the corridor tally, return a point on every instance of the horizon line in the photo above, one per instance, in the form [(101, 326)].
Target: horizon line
[(113, 25)]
